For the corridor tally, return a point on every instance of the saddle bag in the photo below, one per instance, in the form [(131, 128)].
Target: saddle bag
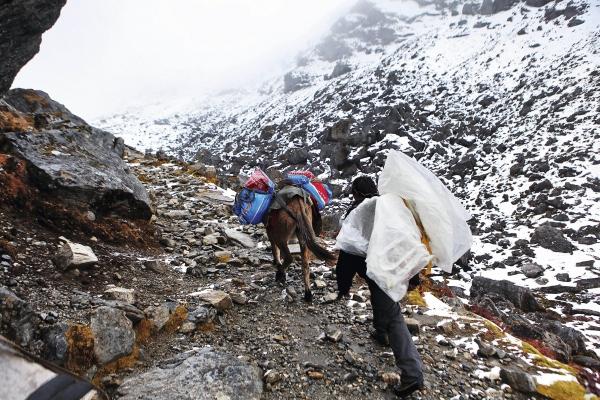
[(320, 193), (253, 201)]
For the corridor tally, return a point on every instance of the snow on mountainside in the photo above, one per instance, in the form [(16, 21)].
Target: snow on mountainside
[(500, 99)]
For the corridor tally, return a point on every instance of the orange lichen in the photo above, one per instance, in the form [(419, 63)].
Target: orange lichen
[(122, 363), (34, 99), (176, 320), (80, 348), (11, 121), (144, 330), (13, 176)]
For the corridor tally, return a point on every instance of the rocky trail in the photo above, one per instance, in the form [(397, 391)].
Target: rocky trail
[(207, 289)]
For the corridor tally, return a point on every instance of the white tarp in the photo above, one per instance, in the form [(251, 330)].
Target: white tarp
[(442, 215), (395, 252), (384, 230)]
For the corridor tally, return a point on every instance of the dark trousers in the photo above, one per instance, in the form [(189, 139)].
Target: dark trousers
[(387, 316)]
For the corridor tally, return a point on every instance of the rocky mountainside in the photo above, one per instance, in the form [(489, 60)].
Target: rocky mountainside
[(131, 271), (500, 98)]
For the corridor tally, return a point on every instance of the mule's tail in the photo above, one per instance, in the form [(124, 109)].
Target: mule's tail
[(306, 232)]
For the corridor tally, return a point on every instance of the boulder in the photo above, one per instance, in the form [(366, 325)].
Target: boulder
[(518, 380), (203, 375), (520, 297), (552, 239), (296, 156), (22, 24), (532, 270), (70, 160), (73, 255), (113, 334), (570, 336)]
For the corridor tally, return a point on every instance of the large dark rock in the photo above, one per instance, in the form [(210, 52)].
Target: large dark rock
[(570, 336), (296, 155), (22, 23), (204, 375), (518, 380), (341, 68), (17, 320), (71, 160), (552, 239), (293, 81), (520, 297)]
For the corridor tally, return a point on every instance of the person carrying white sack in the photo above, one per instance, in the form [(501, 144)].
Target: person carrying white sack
[(389, 234)]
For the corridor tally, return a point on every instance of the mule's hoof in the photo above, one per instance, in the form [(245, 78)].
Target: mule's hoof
[(280, 276), (308, 296)]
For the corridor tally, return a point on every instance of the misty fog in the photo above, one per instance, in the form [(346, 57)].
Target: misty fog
[(102, 57)]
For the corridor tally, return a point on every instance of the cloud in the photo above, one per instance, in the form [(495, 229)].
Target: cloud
[(104, 56)]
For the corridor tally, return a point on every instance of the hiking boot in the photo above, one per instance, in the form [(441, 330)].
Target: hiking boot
[(343, 296), (408, 387), (380, 337)]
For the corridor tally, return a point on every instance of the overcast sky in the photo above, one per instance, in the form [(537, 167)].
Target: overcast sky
[(103, 56)]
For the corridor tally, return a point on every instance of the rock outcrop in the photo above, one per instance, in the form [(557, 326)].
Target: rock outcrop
[(66, 158), (22, 23)]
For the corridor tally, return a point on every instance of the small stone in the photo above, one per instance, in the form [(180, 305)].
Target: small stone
[(359, 298), (315, 374), (329, 298), (484, 349), (541, 281), (187, 327), (90, 216), (563, 277), (120, 294), (239, 298), (532, 270), (155, 266), (223, 256), (320, 284), (240, 237), (350, 377), (391, 378), (217, 298), (70, 255), (278, 338), (272, 376), (450, 354), (414, 326), (335, 335)]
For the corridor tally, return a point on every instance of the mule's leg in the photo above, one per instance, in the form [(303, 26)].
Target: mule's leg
[(287, 260), (306, 271)]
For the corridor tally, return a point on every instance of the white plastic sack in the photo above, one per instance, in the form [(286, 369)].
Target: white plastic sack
[(356, 229), (395, 252), (443, 217)]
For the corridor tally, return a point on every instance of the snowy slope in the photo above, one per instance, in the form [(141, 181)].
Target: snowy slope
[(504, 107)]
